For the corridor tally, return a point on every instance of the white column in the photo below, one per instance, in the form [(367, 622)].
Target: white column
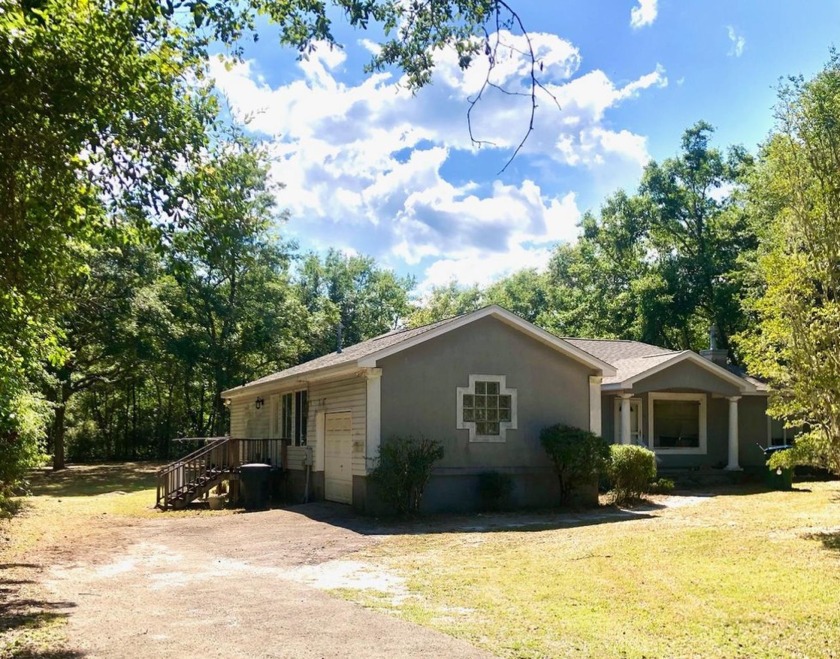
[(733, 465), (373, 420), (625, 417), (595, 404)]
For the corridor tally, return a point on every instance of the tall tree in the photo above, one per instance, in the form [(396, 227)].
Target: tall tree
[(366, 299), (795, 341), (696, 231), (97, 323), (96, 110), (664, 264), (525, 293), (446, 302), (232, 300)]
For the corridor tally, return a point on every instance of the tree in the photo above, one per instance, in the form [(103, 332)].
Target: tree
[(696, 231), (97, 323), (662, 265), (229, 288), (795, 195), (446, 302), (97, 113), (352, 290), (596, 285), (525, 293)]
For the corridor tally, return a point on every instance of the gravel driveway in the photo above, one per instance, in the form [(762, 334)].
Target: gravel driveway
[(248, 585)]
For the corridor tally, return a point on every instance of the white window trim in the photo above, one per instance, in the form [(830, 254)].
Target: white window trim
[(617, 420), (504, 426), (277, 413), (700, 398)]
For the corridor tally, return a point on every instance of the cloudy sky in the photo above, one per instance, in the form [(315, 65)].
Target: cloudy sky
[(372, 169)]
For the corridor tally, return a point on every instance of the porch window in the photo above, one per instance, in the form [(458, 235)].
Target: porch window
[(293, 412), (487, 408), (678, 422)]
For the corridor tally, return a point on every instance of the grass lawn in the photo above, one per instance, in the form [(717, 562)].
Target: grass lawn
[(734, 574), (731, 575)]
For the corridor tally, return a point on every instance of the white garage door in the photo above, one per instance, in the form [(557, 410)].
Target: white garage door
[(338, 449)]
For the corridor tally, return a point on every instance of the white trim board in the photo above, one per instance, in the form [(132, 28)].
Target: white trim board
[(504, 426), (702, 430)]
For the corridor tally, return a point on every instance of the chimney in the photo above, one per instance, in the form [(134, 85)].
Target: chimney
[(714, 354), (338, 336)]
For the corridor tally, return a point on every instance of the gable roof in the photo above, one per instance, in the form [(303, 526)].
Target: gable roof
[(634, 361), (368, 353)]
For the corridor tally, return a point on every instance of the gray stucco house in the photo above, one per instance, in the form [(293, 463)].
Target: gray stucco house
[(485, 384)]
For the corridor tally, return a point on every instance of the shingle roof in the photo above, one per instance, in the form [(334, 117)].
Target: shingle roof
[(350, 353), (629, 357)]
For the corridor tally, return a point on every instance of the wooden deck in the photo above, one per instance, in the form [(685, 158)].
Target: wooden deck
[(189, 478)]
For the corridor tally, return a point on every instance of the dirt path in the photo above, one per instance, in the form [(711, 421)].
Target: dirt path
[(235, 586)]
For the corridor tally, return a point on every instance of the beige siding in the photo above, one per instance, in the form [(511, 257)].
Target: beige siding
[(295, 456), (347, 395), (341, 396), (239, 417)]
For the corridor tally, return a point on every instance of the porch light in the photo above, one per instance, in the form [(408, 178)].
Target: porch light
[(259, 403)]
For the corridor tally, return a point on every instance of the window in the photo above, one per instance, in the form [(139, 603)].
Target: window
[(678, 422), (487, 408), (293, 412)]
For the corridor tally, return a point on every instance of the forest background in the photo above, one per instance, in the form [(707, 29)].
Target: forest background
[(144, 267)]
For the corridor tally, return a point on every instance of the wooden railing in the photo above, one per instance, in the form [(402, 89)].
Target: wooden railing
[(220, 457)]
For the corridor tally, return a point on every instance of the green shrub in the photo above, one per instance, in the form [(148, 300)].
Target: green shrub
[(661, 486), (494, 489), (632, 468), (23, 421), (403, 469), (579, 456)]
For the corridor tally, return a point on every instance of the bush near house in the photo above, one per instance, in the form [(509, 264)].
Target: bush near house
[(631, 470), (494, 490), (579, 456), (661, 486), (403, 469)]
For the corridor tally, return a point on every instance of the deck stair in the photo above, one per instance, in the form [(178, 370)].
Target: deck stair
[(193, 476)]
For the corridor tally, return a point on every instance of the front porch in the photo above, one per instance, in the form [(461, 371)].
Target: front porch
[(692, 417)]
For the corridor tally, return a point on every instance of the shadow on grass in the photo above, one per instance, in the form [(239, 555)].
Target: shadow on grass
[(90, 480), (830, 539), (343, 516), (31, 614)]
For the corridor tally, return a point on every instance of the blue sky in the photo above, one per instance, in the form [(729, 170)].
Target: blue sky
[(371, 169)]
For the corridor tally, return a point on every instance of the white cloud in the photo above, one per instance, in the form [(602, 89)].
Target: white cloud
[(363, 163), (737, 41), (644, 14)]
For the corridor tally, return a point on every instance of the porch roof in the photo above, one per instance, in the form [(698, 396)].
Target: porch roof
[(634, 361)]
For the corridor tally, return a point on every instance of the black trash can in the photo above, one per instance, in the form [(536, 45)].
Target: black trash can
[(781, 478), (254, 481)]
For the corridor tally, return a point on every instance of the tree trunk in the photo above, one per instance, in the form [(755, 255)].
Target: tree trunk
[(58, 424), (58, 438)]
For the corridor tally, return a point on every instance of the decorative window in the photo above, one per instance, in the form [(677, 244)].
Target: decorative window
[(677, 422), (487, 408), (293, 412)]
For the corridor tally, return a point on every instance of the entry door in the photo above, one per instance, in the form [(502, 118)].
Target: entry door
[(338, 450), (635, 421)]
